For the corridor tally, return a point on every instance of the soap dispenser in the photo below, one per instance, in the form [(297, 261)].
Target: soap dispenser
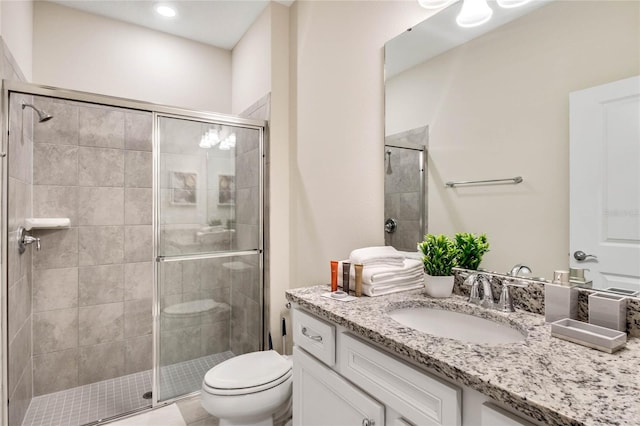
[(560, 298)]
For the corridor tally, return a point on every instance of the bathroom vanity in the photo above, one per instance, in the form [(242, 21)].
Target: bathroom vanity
[(354, 364)]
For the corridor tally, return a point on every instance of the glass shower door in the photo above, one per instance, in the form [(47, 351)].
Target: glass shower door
[(209, 248)]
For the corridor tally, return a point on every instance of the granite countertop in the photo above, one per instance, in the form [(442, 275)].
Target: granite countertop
[(548, 379)]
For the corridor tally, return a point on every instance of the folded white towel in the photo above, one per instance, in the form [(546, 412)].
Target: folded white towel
[(385, 255), (377, 291), (392, 281), (398, 280), (374, 274), (384, 275)]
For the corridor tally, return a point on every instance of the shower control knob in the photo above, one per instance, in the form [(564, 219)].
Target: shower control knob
[(390, 225), (368, 422), (24, 239)]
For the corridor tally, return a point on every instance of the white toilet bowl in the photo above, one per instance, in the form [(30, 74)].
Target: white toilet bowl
[(248, 389)]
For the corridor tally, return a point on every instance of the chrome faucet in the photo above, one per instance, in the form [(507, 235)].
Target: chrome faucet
[(474, 280), (487, 292), (505, 302)]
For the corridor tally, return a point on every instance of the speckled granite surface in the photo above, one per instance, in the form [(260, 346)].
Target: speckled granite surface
[(548, 379), (531, 299)]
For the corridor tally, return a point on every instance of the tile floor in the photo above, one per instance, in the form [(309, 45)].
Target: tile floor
[(89, 403), (165, 416)]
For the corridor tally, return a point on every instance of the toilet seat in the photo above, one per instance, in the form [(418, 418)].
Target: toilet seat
[(248, 373), (248, 390)]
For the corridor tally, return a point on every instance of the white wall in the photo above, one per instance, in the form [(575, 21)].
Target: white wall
[(251, 64), (338, 128), (261, 65), (81, 51), (279, 157), (16, 28), (498, 107)]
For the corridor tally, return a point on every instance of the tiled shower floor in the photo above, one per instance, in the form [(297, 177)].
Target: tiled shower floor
[(101, 400)]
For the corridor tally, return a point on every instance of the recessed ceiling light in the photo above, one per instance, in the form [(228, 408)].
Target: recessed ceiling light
[(166, 11)]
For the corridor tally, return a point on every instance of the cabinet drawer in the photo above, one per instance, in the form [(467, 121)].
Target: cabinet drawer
[(314, 335), (421, 398)]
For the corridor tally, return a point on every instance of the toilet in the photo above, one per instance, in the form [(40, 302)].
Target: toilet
[(248, 390)]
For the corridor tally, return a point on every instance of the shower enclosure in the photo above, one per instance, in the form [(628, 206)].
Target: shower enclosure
[(149, 268), (405, 197)]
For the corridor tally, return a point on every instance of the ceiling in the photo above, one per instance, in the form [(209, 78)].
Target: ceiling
[(219, 23)]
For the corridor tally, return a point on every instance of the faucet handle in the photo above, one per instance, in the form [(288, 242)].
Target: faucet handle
[(505, 304), (474, 283)]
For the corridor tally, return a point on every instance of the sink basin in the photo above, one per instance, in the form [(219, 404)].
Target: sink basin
[(456, 325)]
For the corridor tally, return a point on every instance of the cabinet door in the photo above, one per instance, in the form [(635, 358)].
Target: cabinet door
[(496, 416), (321, 397), (419, 397)]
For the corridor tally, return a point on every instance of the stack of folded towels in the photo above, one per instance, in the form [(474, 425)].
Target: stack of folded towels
[(385, 271)]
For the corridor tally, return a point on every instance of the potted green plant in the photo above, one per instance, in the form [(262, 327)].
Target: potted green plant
[(439, 258), (470, 249)]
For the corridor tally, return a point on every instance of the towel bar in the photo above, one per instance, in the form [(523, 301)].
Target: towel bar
[(514, 180)]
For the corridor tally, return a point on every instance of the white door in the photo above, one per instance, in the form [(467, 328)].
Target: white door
[(605, 183), (321, 397)]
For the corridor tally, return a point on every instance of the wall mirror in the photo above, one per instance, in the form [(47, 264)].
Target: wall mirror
[(512, 99)]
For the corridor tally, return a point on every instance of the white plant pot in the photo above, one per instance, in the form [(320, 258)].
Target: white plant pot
[(438, 286)]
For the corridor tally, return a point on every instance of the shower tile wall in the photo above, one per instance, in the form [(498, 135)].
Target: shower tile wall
[(92, 283), (20, 280), (402, 188)]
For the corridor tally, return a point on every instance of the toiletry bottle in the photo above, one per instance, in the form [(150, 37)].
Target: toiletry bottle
[(358, 284), (346, 269), (334, 275), (560, 298)]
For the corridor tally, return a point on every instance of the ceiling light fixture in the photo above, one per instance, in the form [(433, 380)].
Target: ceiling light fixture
[(508, 4), (473, 12), (435, 4), (166, 11)]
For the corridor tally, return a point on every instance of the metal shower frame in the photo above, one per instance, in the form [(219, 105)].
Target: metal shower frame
[(157, 111)]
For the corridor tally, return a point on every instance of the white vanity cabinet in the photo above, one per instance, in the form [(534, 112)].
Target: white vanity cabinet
[(341, 379), (322, 397)]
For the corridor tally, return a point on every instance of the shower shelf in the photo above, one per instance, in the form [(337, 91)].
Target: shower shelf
[(46, 223)]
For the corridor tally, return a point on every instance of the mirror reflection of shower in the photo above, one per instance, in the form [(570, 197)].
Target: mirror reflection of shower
[(42, 115), (405, 205)]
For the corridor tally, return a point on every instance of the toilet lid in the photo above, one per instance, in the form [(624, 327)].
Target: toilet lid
[(248, 371)]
